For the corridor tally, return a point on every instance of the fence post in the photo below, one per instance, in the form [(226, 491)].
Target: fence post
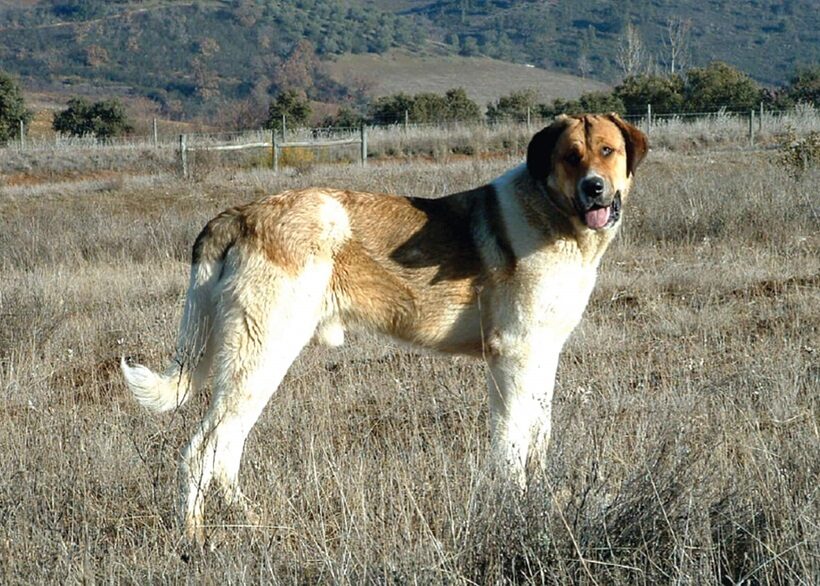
[(760, 120), (183, 154), (648, 117), (275, 150), (156, 135), (751, 128), (22, 135), (406, 120), (364, 144), (529, 125), (284, 129)]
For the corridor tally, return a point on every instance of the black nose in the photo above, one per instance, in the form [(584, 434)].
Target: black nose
[(593, 187)]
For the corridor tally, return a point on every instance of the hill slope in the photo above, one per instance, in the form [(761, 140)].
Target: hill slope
[(193, 57), (484, 79)]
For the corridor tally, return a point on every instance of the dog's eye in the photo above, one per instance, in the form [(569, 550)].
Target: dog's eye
[(573, 158), (606, 151)]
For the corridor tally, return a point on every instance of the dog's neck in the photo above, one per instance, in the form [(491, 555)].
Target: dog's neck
[(549, 222)]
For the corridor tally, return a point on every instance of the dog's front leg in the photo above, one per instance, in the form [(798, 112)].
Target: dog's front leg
[(520, 387)]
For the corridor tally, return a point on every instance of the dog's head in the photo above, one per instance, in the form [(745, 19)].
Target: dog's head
[(587, 163)]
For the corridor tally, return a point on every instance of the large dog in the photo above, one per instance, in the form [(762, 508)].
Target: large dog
[(502, 272)]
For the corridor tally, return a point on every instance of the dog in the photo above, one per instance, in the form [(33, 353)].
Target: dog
[(502, 272)]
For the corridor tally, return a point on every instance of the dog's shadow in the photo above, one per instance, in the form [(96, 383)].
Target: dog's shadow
[(444, 241)]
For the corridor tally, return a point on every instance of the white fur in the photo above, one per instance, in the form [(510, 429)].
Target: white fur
[(533, 320)]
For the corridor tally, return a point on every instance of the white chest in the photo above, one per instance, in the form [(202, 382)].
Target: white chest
[(542, 306)]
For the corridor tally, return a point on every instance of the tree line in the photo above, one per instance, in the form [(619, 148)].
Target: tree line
[(706, 89)]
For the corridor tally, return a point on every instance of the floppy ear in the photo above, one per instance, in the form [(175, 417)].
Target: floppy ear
[(636, 143), (539, 152)]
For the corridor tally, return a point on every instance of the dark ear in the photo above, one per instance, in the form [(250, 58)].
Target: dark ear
[(636, 143), (539, 153)]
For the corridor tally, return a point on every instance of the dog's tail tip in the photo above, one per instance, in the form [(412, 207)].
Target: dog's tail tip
[(157, 392)]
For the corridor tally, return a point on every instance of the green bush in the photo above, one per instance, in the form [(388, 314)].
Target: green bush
[(664, 92), (717, 86), (453, 106), (804, 86), (105, 119), (292, 106), (512, 107), (593, 102)]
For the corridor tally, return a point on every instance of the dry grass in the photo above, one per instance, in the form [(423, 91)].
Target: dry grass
[(686, 425), (484, 79)]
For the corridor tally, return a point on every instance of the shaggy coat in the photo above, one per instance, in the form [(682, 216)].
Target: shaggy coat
[(502, 272)]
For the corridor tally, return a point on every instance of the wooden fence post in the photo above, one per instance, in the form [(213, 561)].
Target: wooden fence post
[(156, 135), (760, 120), (529, 124), (22, 135), (406, 120), (648, 117), (751, 128), (284, 129), (183, 154), (364, 144), (275, 150)]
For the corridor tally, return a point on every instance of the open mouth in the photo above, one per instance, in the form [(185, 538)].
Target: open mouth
[(598, 217)]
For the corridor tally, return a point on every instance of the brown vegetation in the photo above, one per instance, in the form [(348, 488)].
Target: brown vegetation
[(686, 422)]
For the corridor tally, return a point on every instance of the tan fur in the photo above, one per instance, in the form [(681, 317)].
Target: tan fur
[(503, 271)]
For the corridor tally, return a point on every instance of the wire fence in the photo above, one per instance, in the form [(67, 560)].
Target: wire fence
[(306, 146)]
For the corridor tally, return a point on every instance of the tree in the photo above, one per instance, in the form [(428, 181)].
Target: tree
[(299, 70), (289, 104), (512, 107), (344, 118), (676, 43), (12, 109), (804, 86), (103, 119), (426, 107), (460, 107), (630, 54), (391, 109), (717, 86), (592, 102), (664, 92)]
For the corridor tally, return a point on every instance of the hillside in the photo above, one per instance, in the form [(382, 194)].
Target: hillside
[(483, 78), (765, 38), (191, 58)]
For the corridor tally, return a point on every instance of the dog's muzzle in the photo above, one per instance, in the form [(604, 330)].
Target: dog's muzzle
[(598, 215), (597, 207)]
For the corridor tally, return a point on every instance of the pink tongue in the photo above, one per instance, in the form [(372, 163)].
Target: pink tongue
[(597, 218)]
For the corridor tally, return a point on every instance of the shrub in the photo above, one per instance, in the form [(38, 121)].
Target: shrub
[(664, 92), (344, 118), (804, 86), (300, 158), (512, 107), (292, 106), (104, 119), (593, 102), (717, 86), (426, 107), (800, 153)]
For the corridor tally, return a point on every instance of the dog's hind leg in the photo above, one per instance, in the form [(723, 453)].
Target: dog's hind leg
[(265, 317)]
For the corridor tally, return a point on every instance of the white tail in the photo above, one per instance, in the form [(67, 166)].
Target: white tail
[(191, 365)]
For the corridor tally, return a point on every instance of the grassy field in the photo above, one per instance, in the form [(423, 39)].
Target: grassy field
[(686, 423)]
